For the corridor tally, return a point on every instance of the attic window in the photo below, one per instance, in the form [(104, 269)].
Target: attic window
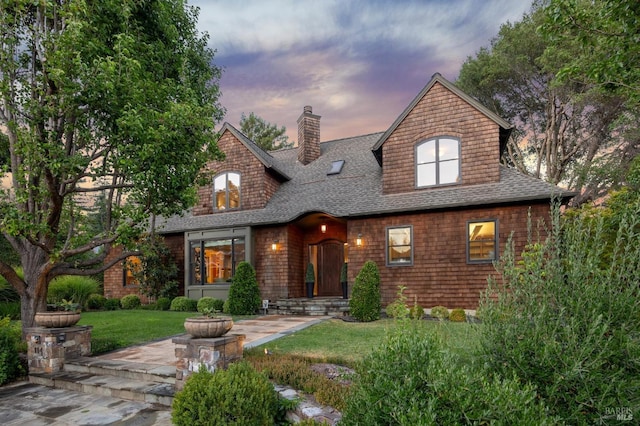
[(336, 167)]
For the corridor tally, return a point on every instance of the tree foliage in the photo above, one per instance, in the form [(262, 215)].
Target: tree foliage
[(607, 33), (565, 131), (116, 97), (157, 271), (266, 135)]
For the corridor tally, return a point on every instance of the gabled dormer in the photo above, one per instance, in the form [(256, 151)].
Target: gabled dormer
[(246, 179), (443, 138)]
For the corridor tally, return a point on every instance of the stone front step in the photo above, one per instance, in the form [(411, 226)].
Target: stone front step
[(317, 306), (151, 383), (125, 369)]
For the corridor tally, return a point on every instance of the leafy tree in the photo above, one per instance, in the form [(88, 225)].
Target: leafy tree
[(116, 97), (565, 132), (266, 135), (157, 271), (607, 33)]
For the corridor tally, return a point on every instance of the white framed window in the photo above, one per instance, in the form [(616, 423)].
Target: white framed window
[(438, 162), (400, 246), (482, 241), (226, 191)]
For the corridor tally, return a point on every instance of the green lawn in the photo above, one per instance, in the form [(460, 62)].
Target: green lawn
[(330, 341), (347, 342)]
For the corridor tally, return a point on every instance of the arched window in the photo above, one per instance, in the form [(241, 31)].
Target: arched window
[(226, 191), (438, 162)]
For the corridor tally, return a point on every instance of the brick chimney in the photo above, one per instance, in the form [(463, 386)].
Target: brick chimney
[(308, 136)]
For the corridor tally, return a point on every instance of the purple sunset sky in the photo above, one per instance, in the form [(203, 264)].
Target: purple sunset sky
[(358, 63)]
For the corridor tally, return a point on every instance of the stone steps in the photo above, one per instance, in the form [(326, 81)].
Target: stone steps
[(317, 306), (150, 383)]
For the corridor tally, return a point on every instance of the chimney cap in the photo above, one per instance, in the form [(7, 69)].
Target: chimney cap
[(308, 109)]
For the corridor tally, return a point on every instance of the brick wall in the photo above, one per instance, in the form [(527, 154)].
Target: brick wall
[(440, 274), (308, 136), (439, 113), (113, 277), (256, 185)]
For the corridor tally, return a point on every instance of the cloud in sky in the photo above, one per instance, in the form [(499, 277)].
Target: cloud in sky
[(359, 63)]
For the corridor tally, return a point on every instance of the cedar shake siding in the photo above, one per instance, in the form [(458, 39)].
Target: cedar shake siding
[(442, 113), (360, 187)]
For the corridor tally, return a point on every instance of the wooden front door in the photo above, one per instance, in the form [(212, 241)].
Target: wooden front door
[(330, 259)]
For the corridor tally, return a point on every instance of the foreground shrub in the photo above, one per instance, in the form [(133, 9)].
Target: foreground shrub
[(236, 396), (209, 304), (96, 302), (410, 381), (440, 312), (567, 322), (10, 336), (398, 308), (130, 301), (183, 304), (244, 293), (72, 287), (163, 303), (364, 304), (457, 315)]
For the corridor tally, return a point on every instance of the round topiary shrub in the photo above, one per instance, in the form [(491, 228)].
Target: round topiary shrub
[(210, 304), (130, 301), (365, 303), (440, 312), (244, 293), (183, 304), (112, 304), (236, 396), (96, 302), (163, 303), (457, 315)]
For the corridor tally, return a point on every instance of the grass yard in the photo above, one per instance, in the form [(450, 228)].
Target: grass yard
[(342, 342), (118, 329)]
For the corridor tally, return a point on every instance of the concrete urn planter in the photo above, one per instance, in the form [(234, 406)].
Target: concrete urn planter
[(57, 319), (205, 327)]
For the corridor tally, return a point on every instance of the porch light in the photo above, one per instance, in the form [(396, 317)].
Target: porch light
[(274, 245), (359, 240), (323, 228)]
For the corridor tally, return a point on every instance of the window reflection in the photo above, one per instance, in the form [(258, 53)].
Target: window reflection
[(437, 162), (399, 246), (226, 191)]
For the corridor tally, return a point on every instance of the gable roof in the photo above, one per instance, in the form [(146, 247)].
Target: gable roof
[(263, 156), (505, 127), (357, 191)]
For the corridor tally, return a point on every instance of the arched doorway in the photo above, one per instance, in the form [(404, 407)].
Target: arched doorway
[(327, 257)]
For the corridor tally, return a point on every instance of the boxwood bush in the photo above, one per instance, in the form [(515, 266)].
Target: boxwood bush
[(209, 304), (244, 293), (112, 304), (440, 312), (365, 304), (163, 303), (130, 301), (96, 302), (10, 367), (236, 396), (457, 315), (183, 304)]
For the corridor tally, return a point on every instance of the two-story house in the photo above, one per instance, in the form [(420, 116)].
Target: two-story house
[(427, 200)]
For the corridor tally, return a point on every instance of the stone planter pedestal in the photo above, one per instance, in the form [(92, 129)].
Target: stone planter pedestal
[(214, 353), (48, 348)]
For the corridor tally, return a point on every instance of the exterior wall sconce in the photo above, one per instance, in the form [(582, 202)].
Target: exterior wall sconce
[(274, 245), (359, 240), (323, 228)]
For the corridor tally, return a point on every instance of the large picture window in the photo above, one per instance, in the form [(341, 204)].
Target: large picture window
[(482, 241), (438, 162), (400, 245), (214, 261), (226, 191)]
